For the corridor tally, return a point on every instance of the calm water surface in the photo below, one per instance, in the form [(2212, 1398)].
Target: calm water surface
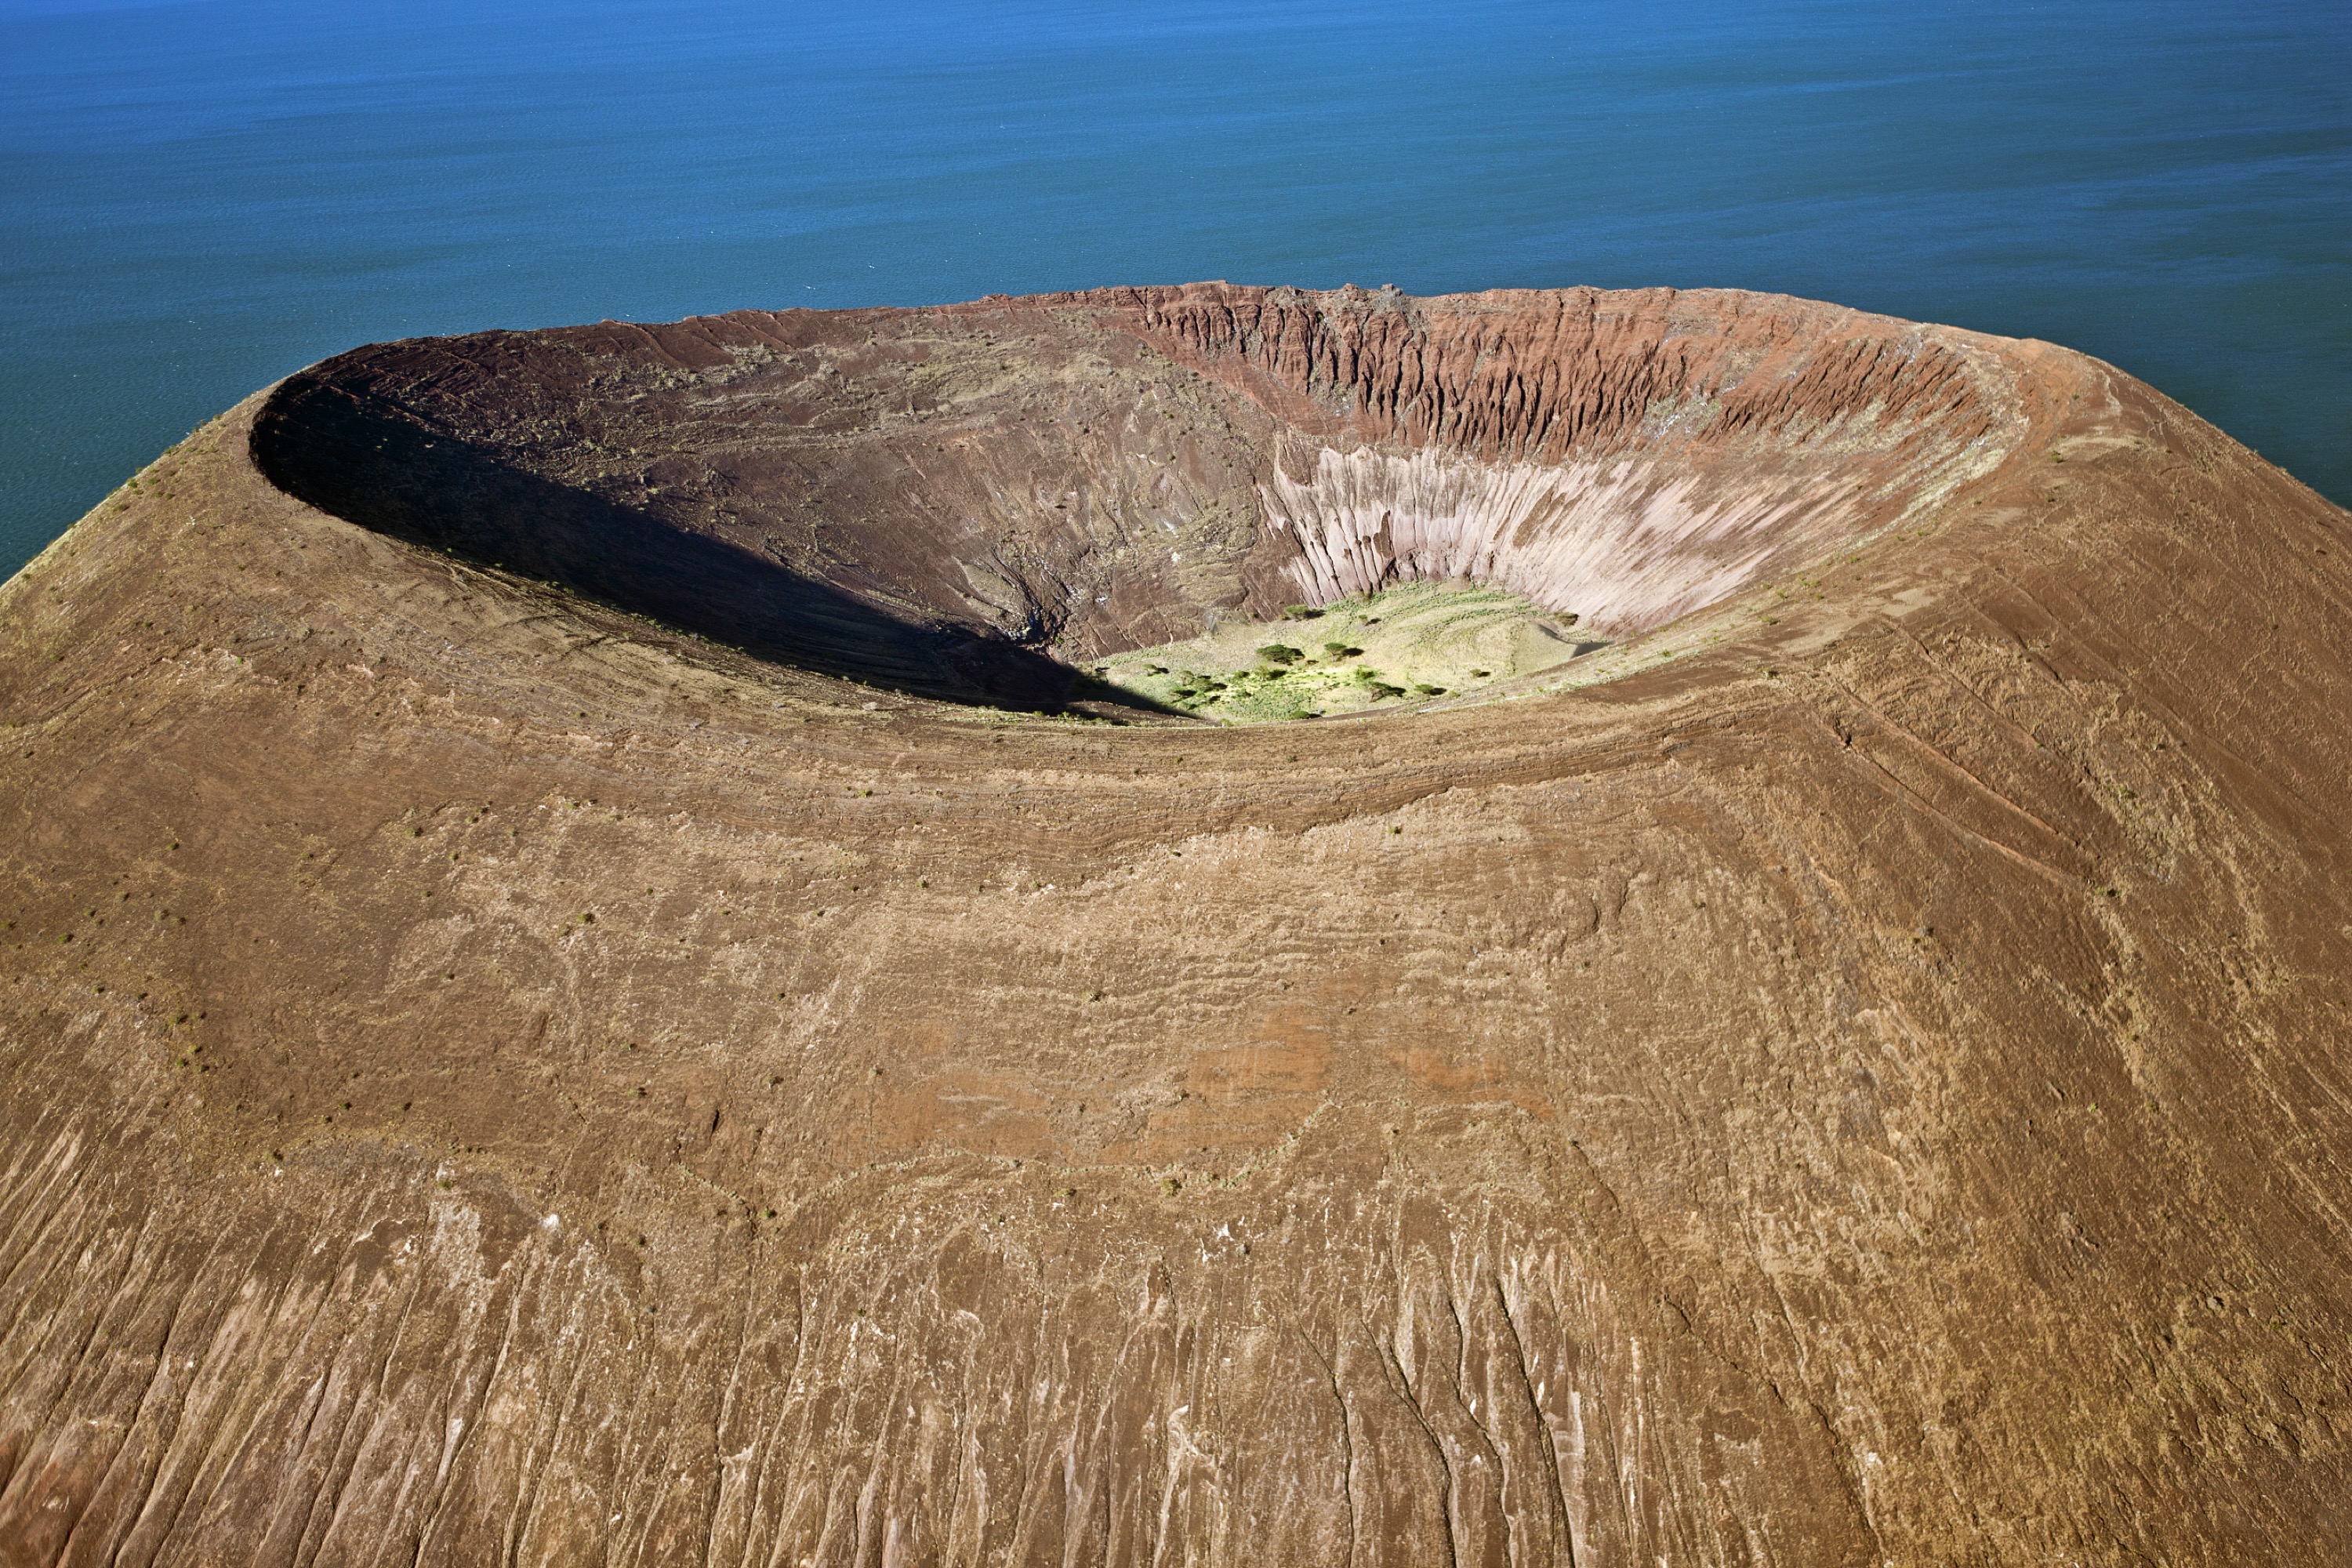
[(196, 198)]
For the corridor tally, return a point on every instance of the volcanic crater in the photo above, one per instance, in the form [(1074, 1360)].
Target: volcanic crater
[(592, 974), (966, 502)]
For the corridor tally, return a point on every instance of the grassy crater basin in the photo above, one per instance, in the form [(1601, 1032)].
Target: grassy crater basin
[(1408, 644)]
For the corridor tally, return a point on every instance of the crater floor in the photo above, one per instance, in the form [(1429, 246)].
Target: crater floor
[(1357, 654), (591, 974)]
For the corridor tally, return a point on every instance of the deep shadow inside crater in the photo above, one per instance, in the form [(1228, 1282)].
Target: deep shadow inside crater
[(373, 465)]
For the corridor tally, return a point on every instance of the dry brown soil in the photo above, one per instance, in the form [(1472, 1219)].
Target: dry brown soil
[(584, 984)]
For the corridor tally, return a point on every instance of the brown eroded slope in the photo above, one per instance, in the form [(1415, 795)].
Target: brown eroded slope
[(495, 1079)]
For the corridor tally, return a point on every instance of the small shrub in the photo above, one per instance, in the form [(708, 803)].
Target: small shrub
[(1280, 653), (1300, 613)]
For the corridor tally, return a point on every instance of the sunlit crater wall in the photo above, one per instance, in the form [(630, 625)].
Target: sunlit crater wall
[(1626, 458)]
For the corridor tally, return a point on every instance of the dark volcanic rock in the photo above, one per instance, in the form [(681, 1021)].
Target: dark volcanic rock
[(496, 1077)]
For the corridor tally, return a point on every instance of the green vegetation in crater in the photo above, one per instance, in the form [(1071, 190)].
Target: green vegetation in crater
[(1408, 643)]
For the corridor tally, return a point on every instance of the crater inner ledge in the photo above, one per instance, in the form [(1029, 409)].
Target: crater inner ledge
[(968, 501)]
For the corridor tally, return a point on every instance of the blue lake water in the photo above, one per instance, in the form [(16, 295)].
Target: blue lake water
[(196, 198)]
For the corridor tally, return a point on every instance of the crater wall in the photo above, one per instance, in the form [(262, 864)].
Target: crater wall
[(947, 500)]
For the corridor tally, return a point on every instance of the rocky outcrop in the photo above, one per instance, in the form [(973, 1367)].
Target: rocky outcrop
[(497, 1077)]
